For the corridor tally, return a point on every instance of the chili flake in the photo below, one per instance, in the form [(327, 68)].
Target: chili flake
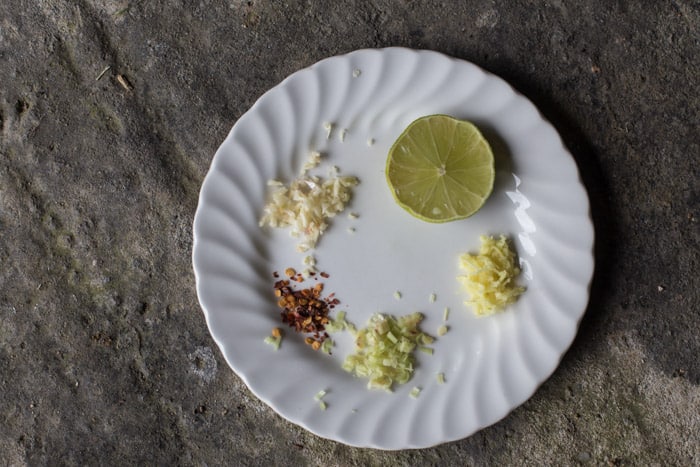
[(305, 310)]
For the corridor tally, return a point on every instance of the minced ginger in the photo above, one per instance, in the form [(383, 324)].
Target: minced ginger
[(490, 276)]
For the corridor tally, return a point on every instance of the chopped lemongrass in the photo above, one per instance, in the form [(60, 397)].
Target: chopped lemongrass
[(353, 215), (432, 297), (273, 341), (335, 325), (319, 395), (343, 133), (370, 142), (415, 392), (322, 405), (442, 330), (351, 229), (397, 295), (327, 345), (440, 378), (384, 350), (427, 350), (339, 324), (445, 314), (356, 72)]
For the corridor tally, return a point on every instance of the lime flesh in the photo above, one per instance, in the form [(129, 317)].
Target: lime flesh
[(440, 169)]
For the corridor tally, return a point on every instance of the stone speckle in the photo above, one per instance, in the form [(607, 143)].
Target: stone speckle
[(105, 357), (203, 363)]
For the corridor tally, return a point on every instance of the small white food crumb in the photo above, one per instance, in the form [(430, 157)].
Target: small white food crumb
[(397, 295), (328, 126), (442, 330), (309, 260), (661, 288), (432, 297), (353, 215), (441, 378), (415, 392), (343, 133), (445, 314), (356, 72), (351, 229), (370, 142)]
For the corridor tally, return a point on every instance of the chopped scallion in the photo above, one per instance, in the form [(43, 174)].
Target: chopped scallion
[(415, 392)]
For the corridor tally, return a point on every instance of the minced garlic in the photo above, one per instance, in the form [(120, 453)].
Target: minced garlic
[(490, 276), (307, 203), (328, 126), (313, 160), (310, 262)]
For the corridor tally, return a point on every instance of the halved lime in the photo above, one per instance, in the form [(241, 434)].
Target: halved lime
[(440, 169)]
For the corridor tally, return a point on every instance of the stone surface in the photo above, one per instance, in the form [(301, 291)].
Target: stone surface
[(110, 113)]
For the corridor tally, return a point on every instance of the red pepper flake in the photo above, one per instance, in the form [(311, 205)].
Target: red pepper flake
[(305, 310)]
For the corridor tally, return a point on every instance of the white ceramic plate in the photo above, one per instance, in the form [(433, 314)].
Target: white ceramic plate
[(491, 365)]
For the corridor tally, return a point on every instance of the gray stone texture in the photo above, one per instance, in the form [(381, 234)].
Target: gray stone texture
[(105, 357)]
